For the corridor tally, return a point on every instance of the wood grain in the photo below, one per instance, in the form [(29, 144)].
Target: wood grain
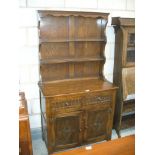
[(121, 146), (124, 71), (75, 86), (77, 105), (25, 142)]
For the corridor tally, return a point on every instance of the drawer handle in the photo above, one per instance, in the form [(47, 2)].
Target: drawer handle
[(110, 110), (86, 127), (99, 98), (51, 120), (66, 103)]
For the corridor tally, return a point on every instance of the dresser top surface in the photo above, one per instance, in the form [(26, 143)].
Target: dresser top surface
[(74, 87)]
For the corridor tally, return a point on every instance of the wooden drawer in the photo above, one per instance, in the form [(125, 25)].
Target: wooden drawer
[(64, 104), (98, 99), (76, 102), (88, 100)]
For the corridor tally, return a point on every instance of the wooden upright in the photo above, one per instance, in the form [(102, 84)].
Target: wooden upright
[(25, 141), (124, 72), (77, 103)]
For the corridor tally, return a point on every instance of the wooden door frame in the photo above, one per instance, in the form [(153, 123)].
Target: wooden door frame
[(51, 133)]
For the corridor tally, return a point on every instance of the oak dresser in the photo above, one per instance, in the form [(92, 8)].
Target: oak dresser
[(77, 102)]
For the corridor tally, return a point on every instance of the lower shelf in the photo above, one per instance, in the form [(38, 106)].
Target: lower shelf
[(129, 106), (128, 121)]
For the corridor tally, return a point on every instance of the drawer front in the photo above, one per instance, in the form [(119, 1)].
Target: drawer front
[(70, 103), (65, 104), (98, 99)]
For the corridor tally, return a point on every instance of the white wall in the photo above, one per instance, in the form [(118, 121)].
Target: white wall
[(28, 55)]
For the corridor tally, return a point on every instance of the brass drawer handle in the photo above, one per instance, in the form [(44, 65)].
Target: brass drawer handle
[(80, 130), (109, 110), (51, 120), (66, 104), (86, 127), (99, 98)]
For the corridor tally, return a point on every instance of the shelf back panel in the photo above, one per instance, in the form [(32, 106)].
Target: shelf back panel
[(71, 44), (50, 72), (71, 28), (72, 50)]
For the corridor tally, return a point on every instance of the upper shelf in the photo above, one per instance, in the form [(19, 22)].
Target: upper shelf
[(63, 60), (71, 45), (131, 45), (71, 40)]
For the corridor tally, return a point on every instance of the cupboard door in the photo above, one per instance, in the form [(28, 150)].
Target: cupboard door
[(66, 131), (97, 125)]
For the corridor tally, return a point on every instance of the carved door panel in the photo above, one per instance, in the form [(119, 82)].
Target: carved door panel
[(97, 125), (66, 131)]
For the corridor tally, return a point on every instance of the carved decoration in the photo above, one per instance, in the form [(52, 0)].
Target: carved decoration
[(77, 102), (99, 100), (72, 13), (67, 103), (97, 123), (66, 129)]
